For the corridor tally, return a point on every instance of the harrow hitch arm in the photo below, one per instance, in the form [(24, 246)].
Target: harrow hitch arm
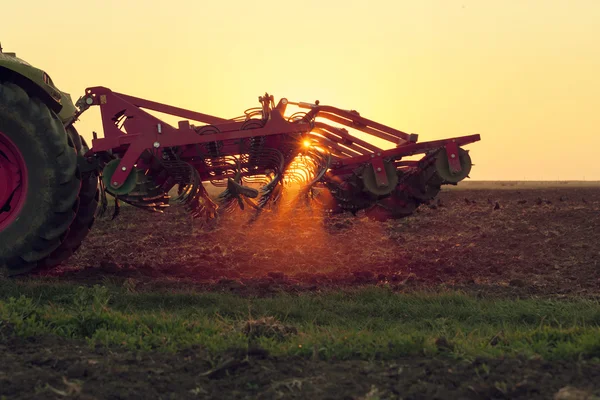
[(352, 119), (345, 138), (167, 109)]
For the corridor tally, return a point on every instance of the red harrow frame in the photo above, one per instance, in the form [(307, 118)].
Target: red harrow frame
[(142, 158)]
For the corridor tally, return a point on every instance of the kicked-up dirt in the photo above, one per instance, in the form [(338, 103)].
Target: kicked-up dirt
[(542, 241)]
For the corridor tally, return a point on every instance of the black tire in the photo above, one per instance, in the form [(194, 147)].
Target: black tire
[(52, 194), (89, 195)]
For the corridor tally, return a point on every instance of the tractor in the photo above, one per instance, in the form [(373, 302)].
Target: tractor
[(53, 185)]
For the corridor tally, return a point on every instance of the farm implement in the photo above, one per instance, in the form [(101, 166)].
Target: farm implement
[(52, 185)]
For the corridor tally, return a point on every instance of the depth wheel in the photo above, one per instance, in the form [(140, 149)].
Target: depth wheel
[(39, 181)]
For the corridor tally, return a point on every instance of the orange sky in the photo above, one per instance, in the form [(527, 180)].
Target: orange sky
[(524, 74)]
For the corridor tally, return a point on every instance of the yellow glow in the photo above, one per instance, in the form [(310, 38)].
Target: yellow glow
[(522, 73), (306, 143)]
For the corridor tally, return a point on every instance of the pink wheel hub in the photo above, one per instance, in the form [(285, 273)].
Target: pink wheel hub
[(13, 181)]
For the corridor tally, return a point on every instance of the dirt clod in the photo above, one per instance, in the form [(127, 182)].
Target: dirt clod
[(572, 393), (443, 344), (267, 327), (517, 283)]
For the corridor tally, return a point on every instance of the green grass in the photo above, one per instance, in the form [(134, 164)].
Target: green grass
[(372, 323)]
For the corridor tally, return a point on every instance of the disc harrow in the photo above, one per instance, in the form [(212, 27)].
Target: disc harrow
[(319, 155)]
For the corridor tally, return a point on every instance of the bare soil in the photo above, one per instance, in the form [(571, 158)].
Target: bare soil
[(542, 242)]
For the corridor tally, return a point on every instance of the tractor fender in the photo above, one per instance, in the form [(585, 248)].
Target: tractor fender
[(36, 82)]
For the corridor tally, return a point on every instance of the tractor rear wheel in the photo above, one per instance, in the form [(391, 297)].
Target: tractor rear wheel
[(89, 195), (39, 181)]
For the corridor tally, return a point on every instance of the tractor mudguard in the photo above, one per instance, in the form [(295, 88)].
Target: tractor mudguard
[(38, 83)]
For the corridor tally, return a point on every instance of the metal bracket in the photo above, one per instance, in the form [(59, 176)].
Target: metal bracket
[(127, 163), (453, 157), (380, 172)]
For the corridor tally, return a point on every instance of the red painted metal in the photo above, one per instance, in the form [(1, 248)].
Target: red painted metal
[(345, 136), (408, 150), (353, 119), (145, 131), (453, 158), (13, 181), (130, 130), (379, 168)]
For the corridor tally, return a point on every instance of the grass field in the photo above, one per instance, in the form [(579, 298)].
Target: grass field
[(229, 334), (370, 323), (459, 301)]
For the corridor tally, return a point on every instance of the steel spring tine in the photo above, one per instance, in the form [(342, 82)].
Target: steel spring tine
[(103, 201), (185, 189), (185, 194), (141, 203), (251, 203), (158, 197), (225, 195), (192, 189), (117, 209)]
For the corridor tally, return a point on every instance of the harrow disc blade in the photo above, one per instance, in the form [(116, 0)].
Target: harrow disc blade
[(443, 168), (370, 181)]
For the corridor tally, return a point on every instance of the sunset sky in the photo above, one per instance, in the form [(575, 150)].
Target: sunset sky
[(524, 74)]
